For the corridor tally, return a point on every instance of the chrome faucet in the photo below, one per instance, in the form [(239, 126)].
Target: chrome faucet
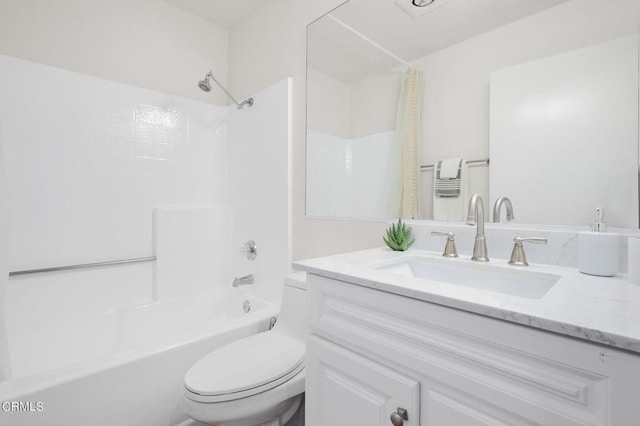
[(476, 217), (247, 279), (498, 205)]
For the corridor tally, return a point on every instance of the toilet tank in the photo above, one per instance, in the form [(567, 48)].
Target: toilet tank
[(293, 306)]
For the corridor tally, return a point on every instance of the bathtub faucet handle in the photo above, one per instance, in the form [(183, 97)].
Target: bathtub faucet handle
[(250, 249), (247, 279)]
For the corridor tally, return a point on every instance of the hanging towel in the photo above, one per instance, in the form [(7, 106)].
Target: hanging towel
[(447, 177), (450, 190)]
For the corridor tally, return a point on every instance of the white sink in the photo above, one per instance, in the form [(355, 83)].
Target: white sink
[(505, 280)]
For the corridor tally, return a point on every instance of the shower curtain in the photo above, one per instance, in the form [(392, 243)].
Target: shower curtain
[(408, 131)]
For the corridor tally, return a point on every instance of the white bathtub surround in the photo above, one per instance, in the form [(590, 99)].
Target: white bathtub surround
[(597, 309), (341, 171), (97, 156), (193, 251), (259, 189)]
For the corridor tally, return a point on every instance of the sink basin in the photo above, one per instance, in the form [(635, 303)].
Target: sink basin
[(521, 283)]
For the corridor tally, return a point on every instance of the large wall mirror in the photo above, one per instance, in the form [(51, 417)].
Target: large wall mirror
[(533, 100)]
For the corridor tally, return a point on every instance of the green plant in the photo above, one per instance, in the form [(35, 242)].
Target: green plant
[(398, 237)]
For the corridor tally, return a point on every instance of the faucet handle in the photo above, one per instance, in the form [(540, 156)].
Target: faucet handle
[(517, 255), (249, 249), (450, 247)]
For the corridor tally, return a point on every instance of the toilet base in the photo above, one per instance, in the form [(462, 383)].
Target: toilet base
[(284, 412)]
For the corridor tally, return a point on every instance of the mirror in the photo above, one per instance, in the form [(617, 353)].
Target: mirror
[(547, 91)]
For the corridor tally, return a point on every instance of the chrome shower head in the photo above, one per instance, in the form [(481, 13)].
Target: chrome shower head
[(204, 84)]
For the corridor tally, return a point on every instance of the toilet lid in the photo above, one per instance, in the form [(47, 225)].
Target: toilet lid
[(246, 366)]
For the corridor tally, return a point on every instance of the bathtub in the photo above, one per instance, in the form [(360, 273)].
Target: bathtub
[(122, 367)]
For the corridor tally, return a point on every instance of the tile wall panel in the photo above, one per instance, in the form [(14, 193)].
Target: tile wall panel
[(87, 160)]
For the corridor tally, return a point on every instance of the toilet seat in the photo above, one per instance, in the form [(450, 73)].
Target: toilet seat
[(245, 367)]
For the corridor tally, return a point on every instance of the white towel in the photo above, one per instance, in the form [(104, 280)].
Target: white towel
[(449, 168), (452, 208), (447, 178)]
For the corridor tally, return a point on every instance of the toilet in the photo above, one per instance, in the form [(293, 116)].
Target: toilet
[(257, 380)]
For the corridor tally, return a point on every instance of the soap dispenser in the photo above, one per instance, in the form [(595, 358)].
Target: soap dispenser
[(598, 251)]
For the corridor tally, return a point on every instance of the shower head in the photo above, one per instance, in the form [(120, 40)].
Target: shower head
[(205, 85)]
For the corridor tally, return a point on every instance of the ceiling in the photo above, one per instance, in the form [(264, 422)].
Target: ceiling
[(335, 50), (227, 13)]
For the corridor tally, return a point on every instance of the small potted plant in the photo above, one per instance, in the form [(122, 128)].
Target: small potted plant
[(399, 237)]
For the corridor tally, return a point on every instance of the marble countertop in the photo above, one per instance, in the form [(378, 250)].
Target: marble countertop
[(604, 310)]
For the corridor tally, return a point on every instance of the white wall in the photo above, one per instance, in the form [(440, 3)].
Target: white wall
[(146, 43), (352, 109), (330, 111), (374, 103)]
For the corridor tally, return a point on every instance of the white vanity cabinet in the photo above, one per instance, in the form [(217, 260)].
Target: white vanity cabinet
[(371, 352)]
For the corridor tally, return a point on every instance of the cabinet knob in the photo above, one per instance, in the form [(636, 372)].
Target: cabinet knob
[(398, 418)]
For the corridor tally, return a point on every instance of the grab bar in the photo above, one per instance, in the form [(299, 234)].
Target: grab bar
[(83, 265)]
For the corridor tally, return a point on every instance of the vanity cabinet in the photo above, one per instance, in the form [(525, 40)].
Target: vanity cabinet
[(372, 352), (353, 390)]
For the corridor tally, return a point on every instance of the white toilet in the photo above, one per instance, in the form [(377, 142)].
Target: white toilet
[(257, 380)]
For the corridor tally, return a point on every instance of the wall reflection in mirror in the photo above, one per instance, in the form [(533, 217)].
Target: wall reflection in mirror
[(405, 103)]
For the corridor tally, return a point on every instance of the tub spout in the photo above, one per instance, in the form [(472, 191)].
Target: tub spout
[(247, 279)]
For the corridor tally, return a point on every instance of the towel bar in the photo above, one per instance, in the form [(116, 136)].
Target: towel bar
[(484, 161)]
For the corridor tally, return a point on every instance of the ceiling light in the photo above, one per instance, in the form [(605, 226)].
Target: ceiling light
[(422, 3), (417, 8)]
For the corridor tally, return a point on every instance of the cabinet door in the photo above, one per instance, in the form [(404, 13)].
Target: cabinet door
[(344, 388)]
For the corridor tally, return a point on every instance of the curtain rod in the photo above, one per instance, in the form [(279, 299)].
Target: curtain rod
[(368, 40)]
